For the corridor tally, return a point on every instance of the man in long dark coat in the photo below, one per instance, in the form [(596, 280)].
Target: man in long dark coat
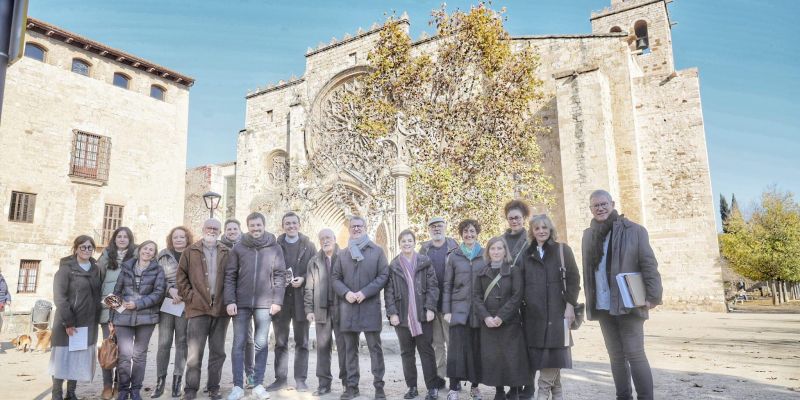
[(359, 274)]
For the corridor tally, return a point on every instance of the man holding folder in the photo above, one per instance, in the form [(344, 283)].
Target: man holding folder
[(613, 245)]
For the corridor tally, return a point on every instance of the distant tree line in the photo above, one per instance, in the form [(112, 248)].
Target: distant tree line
[(764, 246)]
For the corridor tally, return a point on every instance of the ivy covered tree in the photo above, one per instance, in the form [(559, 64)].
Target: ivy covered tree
[(462, 102)]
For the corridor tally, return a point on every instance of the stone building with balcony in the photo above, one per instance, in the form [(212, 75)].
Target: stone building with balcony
[(93, 138)]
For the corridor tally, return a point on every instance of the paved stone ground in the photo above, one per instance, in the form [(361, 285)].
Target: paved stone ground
[(694, 355)]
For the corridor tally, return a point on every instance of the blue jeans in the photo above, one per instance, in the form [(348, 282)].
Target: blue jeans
[(241, 323)]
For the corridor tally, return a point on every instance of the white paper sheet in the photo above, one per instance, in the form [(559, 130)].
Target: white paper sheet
[(170, 308), (566, 332), (80, 340)]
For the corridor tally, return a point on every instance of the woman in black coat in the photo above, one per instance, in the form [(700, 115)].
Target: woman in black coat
[(141, 286), (410, 297), (76, 293), (497, 295), (461, 268), (549, 267)]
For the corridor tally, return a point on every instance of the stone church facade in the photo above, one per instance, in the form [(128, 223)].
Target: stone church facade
[(93, 138), (620, 117)]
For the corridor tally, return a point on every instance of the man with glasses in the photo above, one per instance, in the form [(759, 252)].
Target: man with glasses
[(359, 274), (437, 249), (200, 280), (612, 245), (297, 251), (321, 306)]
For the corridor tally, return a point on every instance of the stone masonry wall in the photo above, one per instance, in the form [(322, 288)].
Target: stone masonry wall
[(44, 103), (614, 119), (679, 212)]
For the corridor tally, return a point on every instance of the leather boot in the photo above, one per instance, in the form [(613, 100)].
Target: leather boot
[(58, 389), (176, 386), (71, 386), (160, 383), (108, 392)]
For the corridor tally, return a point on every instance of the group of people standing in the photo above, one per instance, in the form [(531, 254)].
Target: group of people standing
[(492, 315)]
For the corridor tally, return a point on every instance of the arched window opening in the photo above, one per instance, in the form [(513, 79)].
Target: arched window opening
[(35, 51), (642, 41), (616, 29), (157, 92), (80, 66), (121, 80)]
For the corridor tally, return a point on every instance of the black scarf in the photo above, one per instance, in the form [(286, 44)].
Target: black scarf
[(249, 241), (227, 242), (599, 232)]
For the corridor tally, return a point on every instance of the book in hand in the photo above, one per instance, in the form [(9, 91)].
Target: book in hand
[(632, 289)]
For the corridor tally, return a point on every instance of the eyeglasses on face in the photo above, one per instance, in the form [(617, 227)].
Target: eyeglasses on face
[(359, 227), (86, 248), (515, 218), (600, 205)]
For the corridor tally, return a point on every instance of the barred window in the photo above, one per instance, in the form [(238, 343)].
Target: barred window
[(80, 67), (28, 274), (90, 156), (22, 206), (112, 219)]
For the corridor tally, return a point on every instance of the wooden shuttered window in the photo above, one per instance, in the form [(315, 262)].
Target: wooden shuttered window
[(112, 219), (22, 207)]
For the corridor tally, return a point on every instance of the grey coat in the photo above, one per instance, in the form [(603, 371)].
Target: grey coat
[(76, 294), (255, 277), (459, 279), (319, 297), (368, 276), (293, 297), (545, 300), (109, 277), (147, 295), (169, 263), (630, 252), (426, 290)]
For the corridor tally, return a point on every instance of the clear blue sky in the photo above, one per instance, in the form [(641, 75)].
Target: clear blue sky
[(747, 53)]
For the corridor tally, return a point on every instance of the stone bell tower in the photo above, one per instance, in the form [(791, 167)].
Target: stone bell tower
[(649, 28)]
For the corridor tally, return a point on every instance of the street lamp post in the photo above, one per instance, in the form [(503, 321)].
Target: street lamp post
[(212, 202)]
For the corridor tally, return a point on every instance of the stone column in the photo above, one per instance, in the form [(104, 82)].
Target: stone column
[(400, 172)]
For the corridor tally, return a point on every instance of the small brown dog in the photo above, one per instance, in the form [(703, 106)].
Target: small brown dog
[(43, 340), (22, 342)]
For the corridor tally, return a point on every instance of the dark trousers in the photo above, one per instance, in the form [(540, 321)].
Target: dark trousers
[(170, 326), (300, 330), (423, 344), (375, 357), (132, 342), (202, 329), (326, 331), (108, 374), (624, 338)]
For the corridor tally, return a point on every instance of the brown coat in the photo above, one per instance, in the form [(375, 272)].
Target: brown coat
[(630, 252), (192, 281)]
